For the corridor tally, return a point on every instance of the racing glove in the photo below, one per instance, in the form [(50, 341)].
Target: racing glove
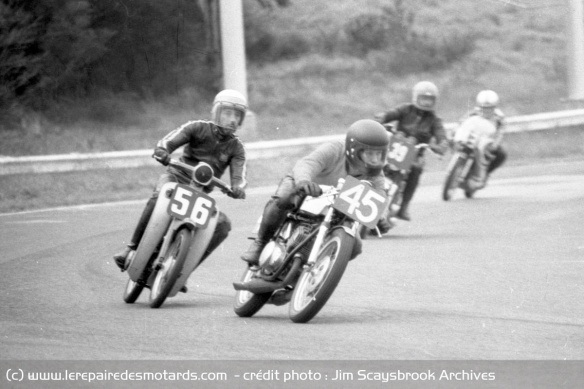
[(490, 151), (237, 193), (309, 188), (441, 148), (161, 155)]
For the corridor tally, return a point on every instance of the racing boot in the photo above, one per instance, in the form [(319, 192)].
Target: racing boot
[(383, 226), (408, 193), (121, 257), (272, 217), (404, 213)]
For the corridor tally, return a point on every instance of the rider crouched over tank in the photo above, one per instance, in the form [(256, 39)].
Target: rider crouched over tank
[(494, 155), (213, 142), (418, 121), (361, 155)]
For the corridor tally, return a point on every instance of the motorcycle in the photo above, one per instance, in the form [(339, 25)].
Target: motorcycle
[(470, 140), (176, 238), (305, 259), (402, 154)]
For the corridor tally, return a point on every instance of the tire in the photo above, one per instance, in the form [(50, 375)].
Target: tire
[(315, 286), (170, 268), (132, 291), (247, 303), (469, 193), (452, 178)]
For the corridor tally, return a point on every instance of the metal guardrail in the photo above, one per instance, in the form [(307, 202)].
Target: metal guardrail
[(255, 150)]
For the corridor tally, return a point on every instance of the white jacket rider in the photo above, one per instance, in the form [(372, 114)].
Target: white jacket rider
[(489, 136)]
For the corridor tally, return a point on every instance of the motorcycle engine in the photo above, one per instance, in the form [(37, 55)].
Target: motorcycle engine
[(298, 235), (272, 256), (275, 251)]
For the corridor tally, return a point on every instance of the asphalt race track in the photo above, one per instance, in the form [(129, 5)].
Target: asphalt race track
[(500, 277)]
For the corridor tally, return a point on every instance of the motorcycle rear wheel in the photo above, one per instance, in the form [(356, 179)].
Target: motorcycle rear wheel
[(132, 291), (452, 179), (316, 285), (170, 268), (247, 303)]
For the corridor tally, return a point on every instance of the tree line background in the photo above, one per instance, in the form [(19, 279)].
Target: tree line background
[(118, 74), (54, 52)]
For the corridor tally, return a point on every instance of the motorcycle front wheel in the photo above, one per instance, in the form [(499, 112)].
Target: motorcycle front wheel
[(169, 270), (452, 178), (316, 285), (247, 303), (132, 291)]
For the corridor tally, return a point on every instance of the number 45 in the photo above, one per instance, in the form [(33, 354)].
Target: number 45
[(356, 199)]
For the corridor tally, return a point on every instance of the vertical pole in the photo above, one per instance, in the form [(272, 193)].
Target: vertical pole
[(232, 45), (576, 50), (233, 54)]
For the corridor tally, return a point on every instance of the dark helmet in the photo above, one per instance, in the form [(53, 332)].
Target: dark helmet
[(366, 134)]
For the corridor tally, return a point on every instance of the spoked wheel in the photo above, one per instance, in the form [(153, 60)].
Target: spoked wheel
[(132, 291), (247, 303), (452, 179), (170, 268), (316, 285)]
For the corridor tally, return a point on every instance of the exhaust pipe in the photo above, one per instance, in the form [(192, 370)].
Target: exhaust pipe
[(258, 286), (261, 286)]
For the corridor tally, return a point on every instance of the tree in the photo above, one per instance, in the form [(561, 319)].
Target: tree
[(20, 55)]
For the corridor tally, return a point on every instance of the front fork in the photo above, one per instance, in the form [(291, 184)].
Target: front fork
[(170, 233), (322, 230), (468, 161)]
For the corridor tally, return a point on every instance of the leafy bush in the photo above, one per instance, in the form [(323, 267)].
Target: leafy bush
[(268, 47), (395, 31), (265, 43), (393, 26)]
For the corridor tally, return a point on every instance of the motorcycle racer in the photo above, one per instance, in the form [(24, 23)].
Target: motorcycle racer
[(487, 106), (361, 155), (418, 120), (213, 142)]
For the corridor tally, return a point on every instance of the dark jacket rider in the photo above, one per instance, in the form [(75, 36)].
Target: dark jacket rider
[(418, 120), (213, 142)]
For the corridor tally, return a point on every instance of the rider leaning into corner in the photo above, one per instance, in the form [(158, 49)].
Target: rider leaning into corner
[(487, 106), (418, 120), (213, 142), (362, 155)]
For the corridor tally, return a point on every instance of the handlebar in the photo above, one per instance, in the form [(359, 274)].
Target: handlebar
[(216, 181), (426, 146)]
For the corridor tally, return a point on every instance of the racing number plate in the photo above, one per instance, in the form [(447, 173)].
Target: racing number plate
[(189, 203), (361, 202), (401, 153)]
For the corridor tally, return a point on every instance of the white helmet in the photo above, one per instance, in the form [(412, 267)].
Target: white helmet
[(231, 99), (487, 99), (426, 90)]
